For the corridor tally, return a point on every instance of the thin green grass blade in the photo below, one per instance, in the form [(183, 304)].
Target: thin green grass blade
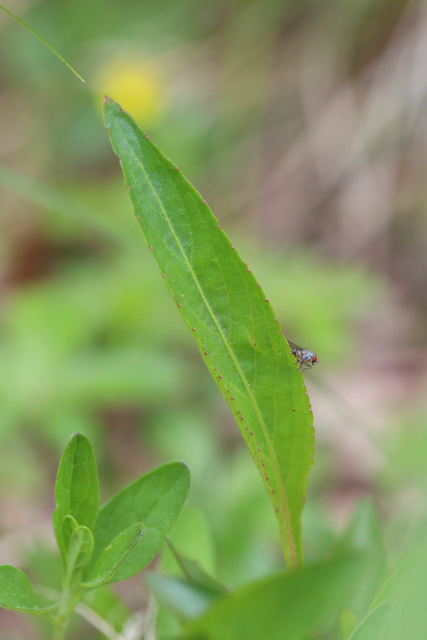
[(42, 40), (230, 317)]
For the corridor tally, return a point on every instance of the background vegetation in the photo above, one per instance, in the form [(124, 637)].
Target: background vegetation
[(304, 126)]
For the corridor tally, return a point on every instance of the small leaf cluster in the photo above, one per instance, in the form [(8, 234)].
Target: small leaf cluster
[(99, 545)]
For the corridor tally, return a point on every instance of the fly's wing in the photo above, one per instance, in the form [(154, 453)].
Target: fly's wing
[(294, 346), (297, 352)]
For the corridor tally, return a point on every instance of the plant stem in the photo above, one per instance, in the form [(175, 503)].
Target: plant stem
[(71, 595), (59, 630), (85, 612)]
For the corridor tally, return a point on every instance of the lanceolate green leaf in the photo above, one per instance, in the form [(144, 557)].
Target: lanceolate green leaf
[(230, 317), (195, 575)]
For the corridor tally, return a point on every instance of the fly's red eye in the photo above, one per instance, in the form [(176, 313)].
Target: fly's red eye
[(314, 359)]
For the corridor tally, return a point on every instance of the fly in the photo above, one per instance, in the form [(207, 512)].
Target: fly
[(304, 357)]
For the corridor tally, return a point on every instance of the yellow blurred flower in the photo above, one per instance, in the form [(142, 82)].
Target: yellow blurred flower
[(137, 85)]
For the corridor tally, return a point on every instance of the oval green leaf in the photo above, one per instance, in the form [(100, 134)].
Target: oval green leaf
[(69, 525), (155, 499), (17, 594), (76, 489), (230, 317), (114, 555), (79, 549)]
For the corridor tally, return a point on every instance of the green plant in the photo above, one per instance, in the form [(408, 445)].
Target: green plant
[(344, 596), (99, 545), (250, 360)]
